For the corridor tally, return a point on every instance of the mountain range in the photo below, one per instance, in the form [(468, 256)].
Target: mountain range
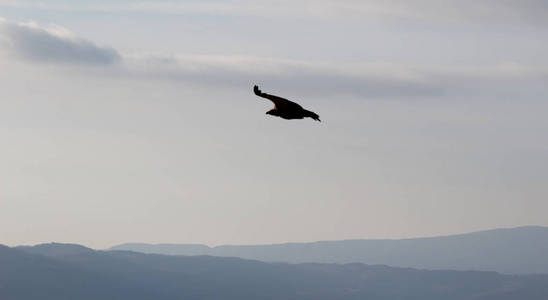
[(522, 250), (65, 271)]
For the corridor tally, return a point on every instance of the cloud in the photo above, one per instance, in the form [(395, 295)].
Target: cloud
[(362, 80), (32, 42), (52, 44), (312, 78)]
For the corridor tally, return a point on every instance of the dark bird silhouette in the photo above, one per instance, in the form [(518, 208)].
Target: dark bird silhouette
[(286, 109)]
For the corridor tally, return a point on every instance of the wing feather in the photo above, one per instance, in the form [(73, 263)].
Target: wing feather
[(279, 102)]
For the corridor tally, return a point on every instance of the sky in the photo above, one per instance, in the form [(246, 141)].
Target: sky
[(135, 121)]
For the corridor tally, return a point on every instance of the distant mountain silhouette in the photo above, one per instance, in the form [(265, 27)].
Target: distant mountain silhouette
[(522, 250), (56, 249), (31, 276), (62, 273)]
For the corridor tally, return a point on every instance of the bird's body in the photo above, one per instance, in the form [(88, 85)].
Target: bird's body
[(286, 109)]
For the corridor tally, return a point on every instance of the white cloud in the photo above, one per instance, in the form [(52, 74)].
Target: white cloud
[(52, 44), (55, 44), (375, 79), (368, 79)]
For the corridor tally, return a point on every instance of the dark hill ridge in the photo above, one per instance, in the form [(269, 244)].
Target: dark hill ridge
[(522, 250), (61, 273), (56, 249), (31, 276)]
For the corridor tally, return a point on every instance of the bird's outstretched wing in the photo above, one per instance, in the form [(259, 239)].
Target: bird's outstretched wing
[(279, 102)]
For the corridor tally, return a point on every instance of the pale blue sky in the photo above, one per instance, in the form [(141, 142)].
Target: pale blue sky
[(135, 121)]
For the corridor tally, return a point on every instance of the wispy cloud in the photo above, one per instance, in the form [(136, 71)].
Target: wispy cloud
[(374, 79), (55, 44), (367, 79), (52, 44)]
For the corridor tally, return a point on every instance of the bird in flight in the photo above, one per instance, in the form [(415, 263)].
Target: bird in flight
[(286, 109)]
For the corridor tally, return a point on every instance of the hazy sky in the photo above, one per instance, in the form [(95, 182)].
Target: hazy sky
[(135, 121)]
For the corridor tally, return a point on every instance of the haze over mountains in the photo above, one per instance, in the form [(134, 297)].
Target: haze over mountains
[(61, 271), (522, 250)]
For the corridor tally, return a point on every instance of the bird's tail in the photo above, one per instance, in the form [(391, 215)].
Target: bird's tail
[(312, 115)]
